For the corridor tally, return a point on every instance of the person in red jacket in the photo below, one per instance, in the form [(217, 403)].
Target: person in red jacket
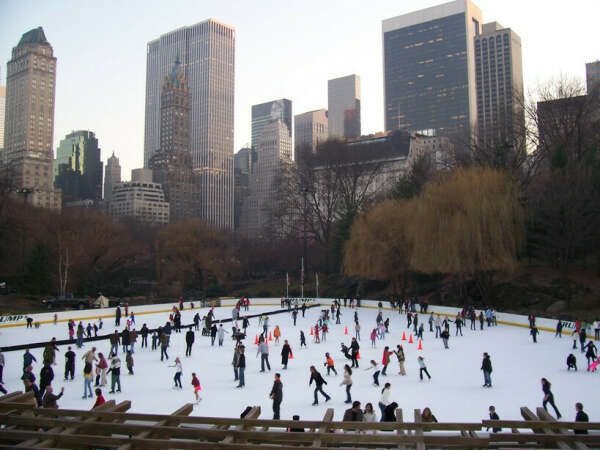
[(197, 387), (99, 398), (385, 360)]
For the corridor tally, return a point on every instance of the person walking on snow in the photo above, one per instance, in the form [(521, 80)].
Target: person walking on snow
[(348, 382), (549, 397), (286, 352), (276, 395), (319, 382), (486, 366), (178, 373)]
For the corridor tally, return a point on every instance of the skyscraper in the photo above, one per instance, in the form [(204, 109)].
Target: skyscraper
[(592, 76), (207, 55), (343, 95), (2, 107), (172, 164), (499, 77), (429, 69), (78, 167), (29, 119), (112, 176), (272, 156), (242, 163), (265, 113), (310, 129)]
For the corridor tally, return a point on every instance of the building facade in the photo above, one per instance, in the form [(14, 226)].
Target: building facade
[(112, 176), (207, 55), (139, 199), (499, 77), (429, 69), (172, 164), (274, 153), (264, 113), (310, 129), (2, 108), (78, 167), (343, 103), (243, 162), (592, 76), (29, 119)]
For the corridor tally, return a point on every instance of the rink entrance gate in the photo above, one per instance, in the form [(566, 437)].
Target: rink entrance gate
[(110, 426)]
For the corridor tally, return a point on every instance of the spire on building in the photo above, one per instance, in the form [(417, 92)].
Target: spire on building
[(35, 36)]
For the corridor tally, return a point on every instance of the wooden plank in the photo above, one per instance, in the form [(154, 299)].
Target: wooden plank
[(254, 413), (400, 431), (543, 414), (327, 418), (185, 410), (10, 397), (540, 423), (529, 415), (419, 431), (18, 397)]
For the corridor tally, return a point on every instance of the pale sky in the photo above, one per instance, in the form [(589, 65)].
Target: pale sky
[(284, 48)]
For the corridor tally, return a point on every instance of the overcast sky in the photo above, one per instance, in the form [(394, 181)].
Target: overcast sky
[(284, 48)]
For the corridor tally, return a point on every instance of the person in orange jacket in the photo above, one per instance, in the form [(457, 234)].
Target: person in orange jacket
[(277, 334), (329, 364)]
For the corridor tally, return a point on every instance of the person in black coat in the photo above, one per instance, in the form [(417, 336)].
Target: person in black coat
[(46, 377), (571, 362), (125, 340), (354, 348), (581, 416), (144, 332), (319, 382), (69, 363), (213, 334), (534, 332), (28, 359), (486, 366), (494, 416), (189, 341), (389, 413), (286, 351), (31, 386), (241, 367), (549, 397), (118, 317), (276, 395)]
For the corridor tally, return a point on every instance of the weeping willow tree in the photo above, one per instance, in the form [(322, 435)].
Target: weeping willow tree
[(379, 247), (468, 223)]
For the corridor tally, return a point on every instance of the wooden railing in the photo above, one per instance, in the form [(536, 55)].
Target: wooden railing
[(111, 426)]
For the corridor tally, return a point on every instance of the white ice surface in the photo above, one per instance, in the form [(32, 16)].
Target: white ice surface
[(455, 392)]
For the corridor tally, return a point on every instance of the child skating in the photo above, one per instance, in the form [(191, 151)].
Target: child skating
[(197, 387)]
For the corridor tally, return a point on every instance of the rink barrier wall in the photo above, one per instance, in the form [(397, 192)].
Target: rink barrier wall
[(516, 320), (150, 330)]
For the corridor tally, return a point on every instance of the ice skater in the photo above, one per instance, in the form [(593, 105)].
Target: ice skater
[(302, 339), (590, 353), (319, 382), (384, 401), (374, 366), (385, 359), (277, 396), (422, 368), (197, 387), (69, 364), (263, 350), (401, 359), (286, 352), (347, 381), (241, 366), (549, 397), (534, 332), (178, 372), (571, 362), (115, 373), (329, 364), (486, 366)]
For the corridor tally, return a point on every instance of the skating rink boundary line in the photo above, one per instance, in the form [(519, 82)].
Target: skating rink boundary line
[(112, 316), (158, 311)]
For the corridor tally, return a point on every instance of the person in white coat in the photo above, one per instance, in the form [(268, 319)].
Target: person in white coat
[(385, 398)]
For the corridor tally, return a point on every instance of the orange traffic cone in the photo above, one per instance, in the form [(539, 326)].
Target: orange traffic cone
[(256, 340), (403, 336), (270, 336), (420, 347), (410, 339), (291, 354), (311, 331), (357, 355), (345, 330)]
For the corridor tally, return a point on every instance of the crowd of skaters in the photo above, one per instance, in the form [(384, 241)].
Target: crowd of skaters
[(128, 338)]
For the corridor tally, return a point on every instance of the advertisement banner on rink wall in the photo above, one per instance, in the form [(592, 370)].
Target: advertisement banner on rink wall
[(11, 318)]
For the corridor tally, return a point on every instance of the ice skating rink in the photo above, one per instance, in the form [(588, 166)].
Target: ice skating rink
[(454, 394)]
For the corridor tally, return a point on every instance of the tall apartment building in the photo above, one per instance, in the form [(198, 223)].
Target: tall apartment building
[(2, 109), (140, 199), (207, 53), (273, 154), (265, 113), (112, 176), (499, 78), (310, 129), (172, 164), (592, 76), (29, 119), (343, 103), (78, 167), (429, 69)]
